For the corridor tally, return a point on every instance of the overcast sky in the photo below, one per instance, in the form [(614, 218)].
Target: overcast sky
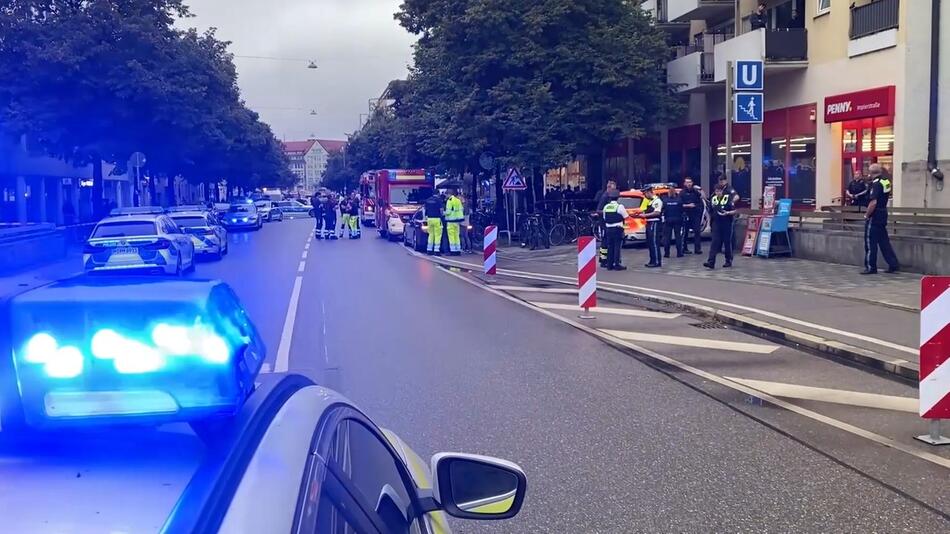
[(357, 44)]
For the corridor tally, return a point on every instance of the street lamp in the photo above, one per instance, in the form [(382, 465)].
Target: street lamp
[(311, 64)]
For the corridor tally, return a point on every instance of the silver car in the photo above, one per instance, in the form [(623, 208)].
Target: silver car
[(207, 234), (139, 243), (269, 210), (244, 216)]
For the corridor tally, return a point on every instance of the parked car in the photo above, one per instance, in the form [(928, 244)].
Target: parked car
[(269, 210), (294, 208), (206, 232), (137, 210), (242, 216), (139, 243), (416, 232)]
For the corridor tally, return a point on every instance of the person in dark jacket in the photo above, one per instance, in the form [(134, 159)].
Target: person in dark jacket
[(858, 192), (759, 18), (673, 224), (693, 209)]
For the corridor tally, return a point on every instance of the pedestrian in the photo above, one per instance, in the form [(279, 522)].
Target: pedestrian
[(345, 216), (434, 208), (693, 209), (614, 216), (858, 191), (653, 213), (673, 223), (601, 199), (319, 205), (329, 217), (454, 217), (466, 226), (354, 209), (875, 224), (759, 18), (723, 215)]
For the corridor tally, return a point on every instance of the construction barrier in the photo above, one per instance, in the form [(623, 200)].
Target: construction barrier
[(935, 355), (490, 246), (587, 274)]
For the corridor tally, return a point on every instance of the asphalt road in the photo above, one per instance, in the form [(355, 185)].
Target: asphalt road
[(609, 444)]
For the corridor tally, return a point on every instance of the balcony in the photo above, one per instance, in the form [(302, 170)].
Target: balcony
[(694, 67), (878, 16), (781, 49), (659, 9), (687, 10)]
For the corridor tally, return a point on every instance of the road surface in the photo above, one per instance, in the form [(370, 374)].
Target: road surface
[(610, 442)]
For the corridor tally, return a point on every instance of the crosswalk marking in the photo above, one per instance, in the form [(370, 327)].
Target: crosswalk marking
[(692, 342), (536, 289), (609, 311), (835, 396)]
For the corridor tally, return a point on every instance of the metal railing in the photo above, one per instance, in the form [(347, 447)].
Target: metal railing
[(875, 17), (786, 44)]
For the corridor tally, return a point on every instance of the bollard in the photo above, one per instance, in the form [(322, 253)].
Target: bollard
[(489, 247), (587, 275), (935, 355)]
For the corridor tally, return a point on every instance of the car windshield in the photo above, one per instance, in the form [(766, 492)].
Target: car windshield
[(191, 221), (124, 229), (631, 202), (288, 204), (409, 195)]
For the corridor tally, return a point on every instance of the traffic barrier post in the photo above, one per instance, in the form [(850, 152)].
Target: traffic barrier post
[(935, 355), (587, 275), (490, 247)]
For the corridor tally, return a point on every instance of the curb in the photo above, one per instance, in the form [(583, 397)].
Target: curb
[(901, 368)]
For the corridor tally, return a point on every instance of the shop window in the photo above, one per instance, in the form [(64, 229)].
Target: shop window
[(773, 163), (801, 170), (849, 141), (741, 173), (866, 140), (884, 139)]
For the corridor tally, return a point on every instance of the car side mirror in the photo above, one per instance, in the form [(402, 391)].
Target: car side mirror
[(469, 486)]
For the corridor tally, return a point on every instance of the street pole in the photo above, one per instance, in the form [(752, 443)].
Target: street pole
[(728, 121)]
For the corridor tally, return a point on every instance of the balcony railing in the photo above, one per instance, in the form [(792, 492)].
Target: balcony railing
[(789, 44), (875, 17)]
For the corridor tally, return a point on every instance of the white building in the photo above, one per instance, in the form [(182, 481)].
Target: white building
[(308, 159)]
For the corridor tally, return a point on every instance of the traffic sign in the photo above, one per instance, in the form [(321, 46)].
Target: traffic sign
[(514, 181), (749, 75), (749, 108)]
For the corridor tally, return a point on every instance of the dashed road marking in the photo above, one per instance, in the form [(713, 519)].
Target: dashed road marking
[(609, 311), (304, 255), (301, 266), (682, 341), (835, 396), (282, 362)]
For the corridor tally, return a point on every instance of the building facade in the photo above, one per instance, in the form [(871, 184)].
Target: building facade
[(847, 84), (308, 160)]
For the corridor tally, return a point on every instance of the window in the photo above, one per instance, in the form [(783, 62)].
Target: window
[(124, 229), (824, 6)]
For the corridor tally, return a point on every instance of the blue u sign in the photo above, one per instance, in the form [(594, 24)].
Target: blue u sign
[(749, 76)]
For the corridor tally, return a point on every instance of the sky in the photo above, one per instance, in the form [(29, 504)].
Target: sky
[(358, 47)]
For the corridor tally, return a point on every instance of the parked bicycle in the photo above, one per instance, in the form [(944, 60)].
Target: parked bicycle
[(533, 233)]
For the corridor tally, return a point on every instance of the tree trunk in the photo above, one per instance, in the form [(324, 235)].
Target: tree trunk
[(152, 196), (98, 205)]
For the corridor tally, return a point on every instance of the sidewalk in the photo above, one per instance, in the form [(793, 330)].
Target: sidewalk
[(826, 307), (36, 276)]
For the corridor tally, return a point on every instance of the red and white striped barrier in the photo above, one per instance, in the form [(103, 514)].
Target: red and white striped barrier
[(587, 273), (935, 354), (491, 242)]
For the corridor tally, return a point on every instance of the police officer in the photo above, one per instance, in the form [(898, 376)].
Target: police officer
[(723, 214), (355, 232), (673, 224), (329, 217), (435, 208), (319, 204), (614, 215), (454, 216), (345, 216), (727, 189), (875, 224), (653, 213), (602, 198), (693, 209)]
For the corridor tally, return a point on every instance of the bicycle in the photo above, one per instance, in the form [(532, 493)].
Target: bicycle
[(533, 234)]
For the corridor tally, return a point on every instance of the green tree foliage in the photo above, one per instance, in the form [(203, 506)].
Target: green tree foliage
[(96, 80)]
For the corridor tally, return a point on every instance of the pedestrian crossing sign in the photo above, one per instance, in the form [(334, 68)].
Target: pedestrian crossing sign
[(514, 181)]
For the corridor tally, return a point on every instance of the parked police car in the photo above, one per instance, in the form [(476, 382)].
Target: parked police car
[(134, 405), (150, 243)]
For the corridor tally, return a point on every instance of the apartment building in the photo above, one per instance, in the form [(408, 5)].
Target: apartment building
[(847, 84)]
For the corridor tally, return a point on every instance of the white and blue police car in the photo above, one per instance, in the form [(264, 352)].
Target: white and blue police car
[(135, 405)]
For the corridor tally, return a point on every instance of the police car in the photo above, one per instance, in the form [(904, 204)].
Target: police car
[(206, 233), (242, 215), (139, 243), (130, 405)]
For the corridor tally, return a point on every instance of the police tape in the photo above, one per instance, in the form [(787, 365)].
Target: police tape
[(490, 246)]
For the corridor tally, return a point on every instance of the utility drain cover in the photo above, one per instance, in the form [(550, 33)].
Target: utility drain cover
[(709, 325)]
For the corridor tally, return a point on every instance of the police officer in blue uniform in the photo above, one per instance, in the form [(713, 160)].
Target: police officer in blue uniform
[(673, 224), (875, 224), (692, 199), (723, 213), (654, 217)]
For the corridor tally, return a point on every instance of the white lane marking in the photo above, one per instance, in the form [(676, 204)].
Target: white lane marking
[(304, 255), (609, 311), (639, 290), (835, 396), (804, 412), (301, 266), (307, 246), (266, 368), (537, 289), (692, 342), (282, 362)]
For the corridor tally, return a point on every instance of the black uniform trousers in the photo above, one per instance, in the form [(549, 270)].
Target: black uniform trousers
[(673, 234), (875, 236), (693, 222), (722, 239), (614, 238), (653, 241)]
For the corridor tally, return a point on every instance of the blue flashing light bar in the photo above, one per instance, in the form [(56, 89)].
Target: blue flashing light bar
[(93, 350)]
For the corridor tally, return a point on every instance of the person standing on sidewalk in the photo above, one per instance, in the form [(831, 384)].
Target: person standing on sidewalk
[(692, 199), (602, 198), (434, 208), (724, 213), (875, 224), (654, 217), (673, 224), (858, 190), (614, 215)]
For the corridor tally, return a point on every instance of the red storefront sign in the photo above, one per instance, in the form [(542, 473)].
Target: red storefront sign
[(877, 102)]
